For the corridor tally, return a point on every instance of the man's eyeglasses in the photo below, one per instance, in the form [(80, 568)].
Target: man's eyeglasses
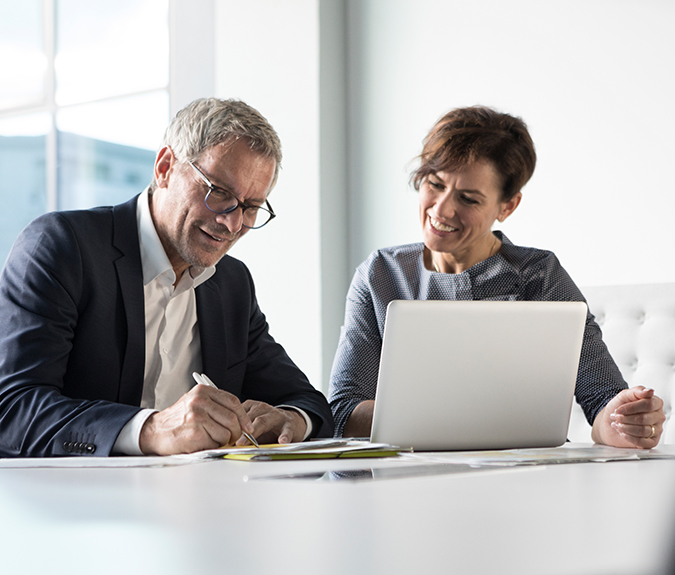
[(221, 201)]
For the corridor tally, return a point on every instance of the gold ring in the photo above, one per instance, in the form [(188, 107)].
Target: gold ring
[(653, 432)]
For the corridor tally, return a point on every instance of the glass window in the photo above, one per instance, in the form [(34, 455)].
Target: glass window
[(84, 101), (22, 174), (106, 150), (106, 49), (22, 60)]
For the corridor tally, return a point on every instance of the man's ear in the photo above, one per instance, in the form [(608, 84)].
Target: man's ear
[(509, 207), (164, 163)]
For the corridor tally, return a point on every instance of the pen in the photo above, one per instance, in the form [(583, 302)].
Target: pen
[(204, 379)]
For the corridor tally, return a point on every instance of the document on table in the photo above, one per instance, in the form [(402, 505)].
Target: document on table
[(320, 449), (88, 461), (545, 456)]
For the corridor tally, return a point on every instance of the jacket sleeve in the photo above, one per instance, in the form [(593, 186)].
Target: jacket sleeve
[(272, 375), (598, 379), (43, 294)]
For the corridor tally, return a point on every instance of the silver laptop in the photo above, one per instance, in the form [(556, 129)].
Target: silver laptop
[(474, 375)]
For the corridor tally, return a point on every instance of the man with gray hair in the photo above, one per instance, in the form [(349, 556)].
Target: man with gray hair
[(108, 313)]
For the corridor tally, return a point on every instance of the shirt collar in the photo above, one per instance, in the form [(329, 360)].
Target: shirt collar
[(154, 260)]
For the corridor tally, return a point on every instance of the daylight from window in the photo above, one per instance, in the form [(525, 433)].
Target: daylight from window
[(83, 104)]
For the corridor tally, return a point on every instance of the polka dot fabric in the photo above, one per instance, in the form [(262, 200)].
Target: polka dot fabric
[(515, 273)]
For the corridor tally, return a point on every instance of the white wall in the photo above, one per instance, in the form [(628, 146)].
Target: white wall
[(352, 87), (267, 55), (593, 79), (192, 51), (287, 58)]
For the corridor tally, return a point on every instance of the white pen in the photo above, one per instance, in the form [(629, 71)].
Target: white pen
[(203, 379)]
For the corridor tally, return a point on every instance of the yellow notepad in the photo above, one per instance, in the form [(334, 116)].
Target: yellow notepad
[(324, 449)]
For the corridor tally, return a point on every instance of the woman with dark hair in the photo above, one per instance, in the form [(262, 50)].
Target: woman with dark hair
[(472, 168)]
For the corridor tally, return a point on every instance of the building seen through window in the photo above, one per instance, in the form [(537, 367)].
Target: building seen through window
[(83, 104)]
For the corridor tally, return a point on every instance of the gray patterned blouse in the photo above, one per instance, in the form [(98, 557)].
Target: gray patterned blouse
[(514, 273)]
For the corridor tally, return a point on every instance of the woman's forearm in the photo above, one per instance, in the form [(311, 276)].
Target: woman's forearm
[(361, 420)]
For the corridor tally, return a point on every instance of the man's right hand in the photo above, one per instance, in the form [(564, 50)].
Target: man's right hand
[(204, 418)]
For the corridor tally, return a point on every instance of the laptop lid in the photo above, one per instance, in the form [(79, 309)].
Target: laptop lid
[(473, 375)]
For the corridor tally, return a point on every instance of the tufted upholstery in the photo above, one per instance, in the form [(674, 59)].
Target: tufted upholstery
[(638, 326)]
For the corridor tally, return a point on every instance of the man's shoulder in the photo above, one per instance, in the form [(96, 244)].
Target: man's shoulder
[(231, 264), (73, 234), (231, 271), (231, 285), (83, 220)]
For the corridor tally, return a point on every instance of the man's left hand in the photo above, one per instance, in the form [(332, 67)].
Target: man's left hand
[(272, 424)]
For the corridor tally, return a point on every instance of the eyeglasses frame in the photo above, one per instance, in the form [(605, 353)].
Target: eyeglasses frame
[(240, 204)]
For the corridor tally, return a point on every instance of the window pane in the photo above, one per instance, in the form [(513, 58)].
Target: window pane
[(108, 49), (106, 151), (22, 60), (23, 195)]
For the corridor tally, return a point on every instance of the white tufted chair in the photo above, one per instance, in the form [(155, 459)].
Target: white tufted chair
[(638, 326)]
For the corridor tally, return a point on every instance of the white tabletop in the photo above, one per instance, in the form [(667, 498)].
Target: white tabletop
[(231, 517)]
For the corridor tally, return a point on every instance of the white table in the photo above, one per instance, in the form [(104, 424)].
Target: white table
[(221, 517)]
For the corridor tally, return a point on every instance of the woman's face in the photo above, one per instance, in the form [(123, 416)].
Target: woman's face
[(457, 210)]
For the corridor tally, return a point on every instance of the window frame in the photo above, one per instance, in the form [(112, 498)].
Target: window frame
[(185, 80)]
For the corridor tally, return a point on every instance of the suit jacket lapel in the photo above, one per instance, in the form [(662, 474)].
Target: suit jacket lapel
[(211, 330), (130, 278)]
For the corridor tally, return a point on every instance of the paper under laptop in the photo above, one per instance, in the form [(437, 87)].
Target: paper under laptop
[(475, 375)]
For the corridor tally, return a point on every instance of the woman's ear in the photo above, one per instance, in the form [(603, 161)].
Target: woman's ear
[(509, 207), (164, 163)]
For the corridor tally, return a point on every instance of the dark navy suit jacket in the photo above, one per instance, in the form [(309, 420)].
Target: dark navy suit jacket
[(72, 336)]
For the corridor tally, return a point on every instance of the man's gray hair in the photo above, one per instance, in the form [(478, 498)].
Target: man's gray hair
[(208, 122)]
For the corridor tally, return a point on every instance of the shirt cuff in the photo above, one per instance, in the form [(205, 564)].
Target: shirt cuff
[(308, 421), (128, 442)]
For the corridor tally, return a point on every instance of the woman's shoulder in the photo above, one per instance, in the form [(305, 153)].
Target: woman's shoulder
[(394, 257), (526, 258), (392, 267), (541, 273)]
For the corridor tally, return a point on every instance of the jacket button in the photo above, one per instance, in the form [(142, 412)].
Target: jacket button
[(90, 448)]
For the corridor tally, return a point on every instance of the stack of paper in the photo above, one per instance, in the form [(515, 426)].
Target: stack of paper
[(321, 449)]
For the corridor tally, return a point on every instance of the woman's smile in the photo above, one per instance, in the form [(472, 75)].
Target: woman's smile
[(457, 210), (439, 226)]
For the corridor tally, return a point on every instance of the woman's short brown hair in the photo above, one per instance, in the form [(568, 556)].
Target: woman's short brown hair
[(467, 135)]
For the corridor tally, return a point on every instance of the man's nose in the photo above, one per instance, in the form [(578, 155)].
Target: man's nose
[(232, 220)]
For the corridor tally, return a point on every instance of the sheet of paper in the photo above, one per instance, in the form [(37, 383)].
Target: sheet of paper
[(305, 450), (543, 456), (326, 446), (73, 462)]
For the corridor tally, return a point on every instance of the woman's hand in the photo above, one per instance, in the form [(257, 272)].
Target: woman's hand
[(634, 418)]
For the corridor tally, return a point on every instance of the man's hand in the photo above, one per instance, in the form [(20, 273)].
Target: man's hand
[(204, 418), (633, 418), (273, 424)]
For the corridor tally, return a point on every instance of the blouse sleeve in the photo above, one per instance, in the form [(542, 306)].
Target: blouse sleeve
[(598, 379), (355, 368)]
